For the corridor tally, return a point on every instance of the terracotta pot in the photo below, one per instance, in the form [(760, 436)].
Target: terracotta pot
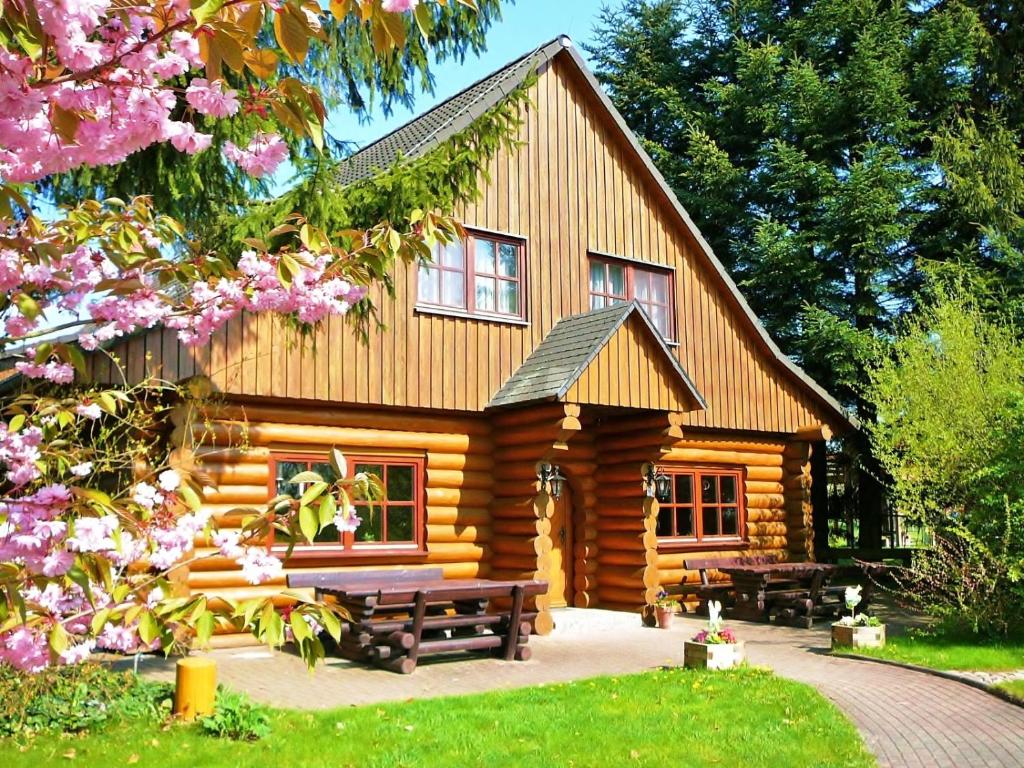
[(665, 617)]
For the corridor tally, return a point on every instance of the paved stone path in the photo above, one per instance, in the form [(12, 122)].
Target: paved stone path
[(908, 719)]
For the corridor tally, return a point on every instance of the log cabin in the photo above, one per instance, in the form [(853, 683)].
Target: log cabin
[(583, 326)]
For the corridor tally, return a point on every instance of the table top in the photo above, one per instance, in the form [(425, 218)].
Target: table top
[(467, 587), (796, 569)]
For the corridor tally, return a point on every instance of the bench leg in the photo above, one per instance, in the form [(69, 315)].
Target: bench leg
[(512, 638)]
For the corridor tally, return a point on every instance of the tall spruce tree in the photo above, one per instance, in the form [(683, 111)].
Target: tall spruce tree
[(831, 150)]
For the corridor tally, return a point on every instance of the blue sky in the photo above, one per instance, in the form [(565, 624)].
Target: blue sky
[(524, 26)]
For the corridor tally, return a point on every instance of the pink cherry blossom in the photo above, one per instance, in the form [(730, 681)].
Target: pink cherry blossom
[(81, 470), (89, 410), (258, 566), (261, 157), (399, 6), (169, 480), (211, 99)]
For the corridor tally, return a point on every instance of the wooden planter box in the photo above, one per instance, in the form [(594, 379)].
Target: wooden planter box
[(713, 655), (858, 637)]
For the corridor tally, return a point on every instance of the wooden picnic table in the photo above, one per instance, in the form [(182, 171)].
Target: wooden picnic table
[(398, 616), (794, 593)]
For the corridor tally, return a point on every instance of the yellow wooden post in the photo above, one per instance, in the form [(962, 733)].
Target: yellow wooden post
[(195, 687)]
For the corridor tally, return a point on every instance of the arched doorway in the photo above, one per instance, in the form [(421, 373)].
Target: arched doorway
[(560, 575)]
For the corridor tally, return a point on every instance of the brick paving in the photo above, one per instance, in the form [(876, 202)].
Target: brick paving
[(908, 719)]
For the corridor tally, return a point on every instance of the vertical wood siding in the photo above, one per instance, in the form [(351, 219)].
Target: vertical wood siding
[(573, 186)]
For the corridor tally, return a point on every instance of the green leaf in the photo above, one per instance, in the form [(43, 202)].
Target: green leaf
[(16, 423), (205, 625), (331, 623), (189, 496), (149, 628), (338, 463), (202, 12), (300, 629), (292, 30), (328, 509), (99, 620), (312, 492), (306, 477), (59, 639), (308, 523)]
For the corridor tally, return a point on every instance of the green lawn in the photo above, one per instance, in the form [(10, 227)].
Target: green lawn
[(1015, 687), (940, 649), (673, 717)]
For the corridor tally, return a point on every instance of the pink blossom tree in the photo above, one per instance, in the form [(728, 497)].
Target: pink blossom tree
[(95, 516)]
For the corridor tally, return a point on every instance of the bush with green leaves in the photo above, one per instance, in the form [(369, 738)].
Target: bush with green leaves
[(949, 396), (236, 717), (76, 698)]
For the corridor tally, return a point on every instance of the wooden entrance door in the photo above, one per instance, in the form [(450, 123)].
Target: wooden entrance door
[(560, 588)]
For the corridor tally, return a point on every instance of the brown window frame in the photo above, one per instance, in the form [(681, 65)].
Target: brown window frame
[(697, 505), (470, 274), (347, 546), (632, 268)]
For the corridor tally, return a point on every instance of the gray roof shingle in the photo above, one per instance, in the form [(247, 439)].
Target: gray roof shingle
[(571, 345), (434, 127)]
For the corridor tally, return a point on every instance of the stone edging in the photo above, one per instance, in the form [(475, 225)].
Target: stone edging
[(992, 690)]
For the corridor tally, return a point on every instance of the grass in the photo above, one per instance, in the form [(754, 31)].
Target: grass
[(951, 649), (745, 717), (1013, 687)]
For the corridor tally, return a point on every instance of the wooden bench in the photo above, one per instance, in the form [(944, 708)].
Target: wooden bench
[(707, 590), (398, 615)]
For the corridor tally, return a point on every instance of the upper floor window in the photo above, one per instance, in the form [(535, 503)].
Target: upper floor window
[(614, 282), (702, 505), (392, 522), (482, 275)]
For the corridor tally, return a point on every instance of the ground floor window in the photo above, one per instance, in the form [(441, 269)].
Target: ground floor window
[(392, 522), (701, 504)]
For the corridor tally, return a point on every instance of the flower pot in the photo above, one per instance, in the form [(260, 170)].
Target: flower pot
[(664, 616), (844, 636), (713, 655)]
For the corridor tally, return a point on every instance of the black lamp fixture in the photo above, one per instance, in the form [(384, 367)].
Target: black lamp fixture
[(656, 482), (551, 479)]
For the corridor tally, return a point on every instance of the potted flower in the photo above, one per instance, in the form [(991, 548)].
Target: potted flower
[(664, 609), (858, 630), (715, 647)]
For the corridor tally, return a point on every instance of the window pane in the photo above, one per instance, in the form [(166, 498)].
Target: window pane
[(400, 523), (372, 526), (684, 521), (399, 483), (325, 470), (659, 288), (597, 277), (728, 489), (485, 293), (453, 289), (328, 535), (711, 521), (659, 316), (377, 470), (596, 302), (709, 489), (508, 297), (454, 255), (508, 260), (642, 286), (684, 489), (286, 470), (484, 255), (617, 280), (429, 285), (730, 521), (665, 521)]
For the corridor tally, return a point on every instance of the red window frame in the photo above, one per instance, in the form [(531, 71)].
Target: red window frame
[(347, 545), (697, 505), (633, 272), (470, 274)]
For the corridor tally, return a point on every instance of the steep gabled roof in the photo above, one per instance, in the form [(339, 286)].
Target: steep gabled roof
[(434, 127), (572, 345), (448, 118)]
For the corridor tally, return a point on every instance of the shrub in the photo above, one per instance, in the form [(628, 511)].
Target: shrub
[(949, 399), (236, 717), (75, 698)]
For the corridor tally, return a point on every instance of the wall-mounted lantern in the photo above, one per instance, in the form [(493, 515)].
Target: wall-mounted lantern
[(656, 483), (551, 479)]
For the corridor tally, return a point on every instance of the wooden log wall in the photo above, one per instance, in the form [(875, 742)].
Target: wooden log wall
[(458, 482), (773, 469), (626, 522), (799, 507), (520, 513)]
